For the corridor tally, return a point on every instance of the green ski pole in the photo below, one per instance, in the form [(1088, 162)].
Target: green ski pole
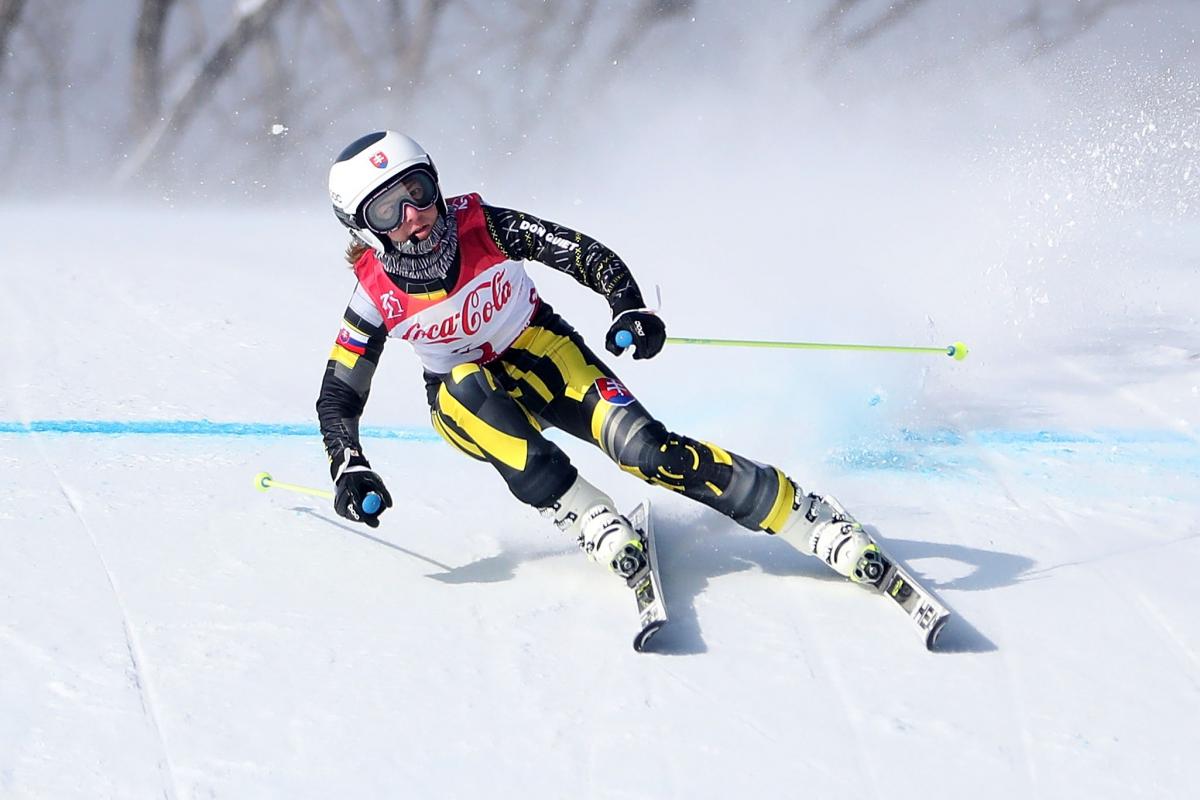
[(263, 481), (958, 351)]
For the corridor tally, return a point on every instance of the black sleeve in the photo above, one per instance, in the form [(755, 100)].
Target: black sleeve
[(522, 236), (347, 382)]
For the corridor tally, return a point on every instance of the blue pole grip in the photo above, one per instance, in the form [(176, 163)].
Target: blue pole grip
[(372, 503), (623, 339)]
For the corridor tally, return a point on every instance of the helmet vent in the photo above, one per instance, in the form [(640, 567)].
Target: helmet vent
[(358, 145)]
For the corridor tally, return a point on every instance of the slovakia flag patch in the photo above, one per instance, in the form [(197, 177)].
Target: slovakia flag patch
[(380, 160), (352, 340), (614, 391)]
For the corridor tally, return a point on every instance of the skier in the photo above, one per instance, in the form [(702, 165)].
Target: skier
[(446, 274)]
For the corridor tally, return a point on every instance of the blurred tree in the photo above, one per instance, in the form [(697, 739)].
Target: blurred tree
[(1035, 26), (209, 82), (416, 42), (39, 88), (251, 21), (10, 13), (645, 16), (147, 62), (831, 23), (1053, 25)]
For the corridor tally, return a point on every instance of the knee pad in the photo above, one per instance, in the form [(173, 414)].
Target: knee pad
[(754, 495), (675, 461)]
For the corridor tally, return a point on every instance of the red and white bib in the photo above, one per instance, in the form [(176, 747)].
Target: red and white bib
[(488, 308)]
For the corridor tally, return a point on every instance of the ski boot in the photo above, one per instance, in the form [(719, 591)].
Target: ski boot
[(820, 526), (588, 514)]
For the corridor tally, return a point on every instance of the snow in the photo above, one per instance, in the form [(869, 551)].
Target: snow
[(166, 630)]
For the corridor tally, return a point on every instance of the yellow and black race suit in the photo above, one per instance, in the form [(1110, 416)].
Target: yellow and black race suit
[(548, 377)]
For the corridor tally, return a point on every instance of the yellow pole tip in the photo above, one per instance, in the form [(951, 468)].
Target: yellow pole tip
[(959, 350), (262, 481)]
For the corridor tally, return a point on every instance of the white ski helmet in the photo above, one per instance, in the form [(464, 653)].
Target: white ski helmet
[(369, 165)]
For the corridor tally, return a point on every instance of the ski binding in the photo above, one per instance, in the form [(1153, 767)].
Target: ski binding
[(646, 583), (927, 614)]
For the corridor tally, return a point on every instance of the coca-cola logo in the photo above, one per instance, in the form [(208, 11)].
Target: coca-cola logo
[(480, 304)]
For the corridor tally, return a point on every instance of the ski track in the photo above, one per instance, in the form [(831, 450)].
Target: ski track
[(1147, 609), (730, 713), (999, 466), (675, 783), (1106, 579), (146, 693), (1190, 658), (1111, 554), (1009, 674), (1115, 583), (31, 649), (1023, 493), (184, 345), (1130, 396), (853, 710), (996, 616), (1020, 705)]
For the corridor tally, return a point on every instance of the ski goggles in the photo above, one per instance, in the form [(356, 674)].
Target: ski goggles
[(384, 212)]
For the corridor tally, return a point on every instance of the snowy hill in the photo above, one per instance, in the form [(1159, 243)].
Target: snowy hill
[(165, 630)]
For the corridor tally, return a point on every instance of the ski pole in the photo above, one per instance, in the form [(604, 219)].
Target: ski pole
[(263, 481), (958, 351)]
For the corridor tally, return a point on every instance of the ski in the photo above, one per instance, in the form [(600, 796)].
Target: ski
[(927, 614), (646, 583)]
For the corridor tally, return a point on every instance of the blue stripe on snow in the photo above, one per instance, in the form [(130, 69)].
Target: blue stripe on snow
[(950, 453), (947, 436), (934, 451), (201, 427)]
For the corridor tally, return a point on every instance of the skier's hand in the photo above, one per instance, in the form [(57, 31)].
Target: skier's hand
[(353, 481), (648, 332)]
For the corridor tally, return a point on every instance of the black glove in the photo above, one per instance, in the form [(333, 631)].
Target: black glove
[(353, 480), (648, 330)]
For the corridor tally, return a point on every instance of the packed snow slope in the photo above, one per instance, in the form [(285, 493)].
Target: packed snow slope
[(167, 631)]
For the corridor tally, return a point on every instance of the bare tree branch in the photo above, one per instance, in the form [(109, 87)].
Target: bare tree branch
[(649, 14), (147, 62), (831, 20), (329, 59), (10, 15), (546, 45), (45, 33), (1083, 19), (571, 44), (19, 97), (557, 62), (192, 49), (249, 27), (538, 20), (44, 84), (414, 58), (277, 77), (343, 37), (895, 13)]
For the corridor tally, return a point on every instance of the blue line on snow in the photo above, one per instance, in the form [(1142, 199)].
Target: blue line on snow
[(950, 453), (946, 436), (943, 437), (201, 427), (934, 451)]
